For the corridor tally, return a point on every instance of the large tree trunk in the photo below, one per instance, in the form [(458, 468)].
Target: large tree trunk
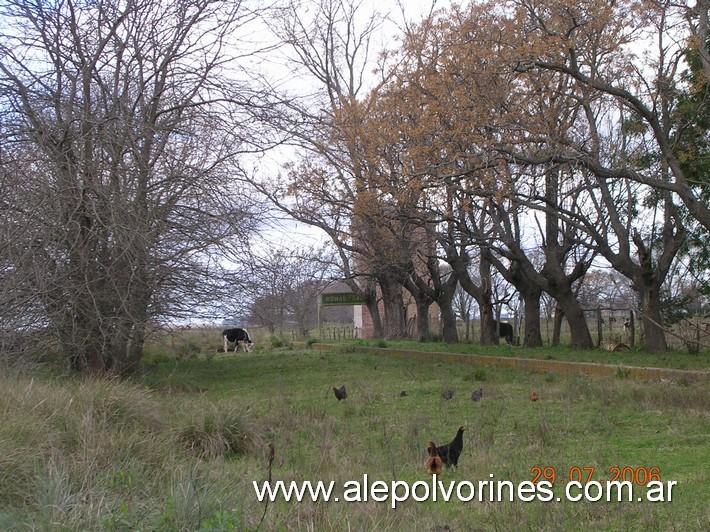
[(368, 294), (558, 243), (648, 280), (435, 290), (579, 330), (374, 309), (395, 321), (481, 294), (81, 342), (489, 333), (423, 301), (449, 330), (654, 337), (531, 324), (531, 293), (423, 333)]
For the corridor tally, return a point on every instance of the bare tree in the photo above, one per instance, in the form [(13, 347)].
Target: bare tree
[(286, 284), (334, 183), (120, 123)]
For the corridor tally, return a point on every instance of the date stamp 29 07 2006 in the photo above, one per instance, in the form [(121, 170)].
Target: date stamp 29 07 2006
[(580, 482), (586, 474)]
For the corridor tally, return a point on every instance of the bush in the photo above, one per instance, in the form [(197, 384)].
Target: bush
[(218, 432)]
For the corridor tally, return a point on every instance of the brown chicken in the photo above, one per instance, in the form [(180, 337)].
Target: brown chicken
[(434, 462), (450, 452), (533, 396), (340, 393)]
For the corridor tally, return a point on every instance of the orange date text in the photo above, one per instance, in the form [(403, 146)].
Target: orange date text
[(586, 474)]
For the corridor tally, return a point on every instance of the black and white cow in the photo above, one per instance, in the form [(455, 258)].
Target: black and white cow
[(239, 337), (506, 330)]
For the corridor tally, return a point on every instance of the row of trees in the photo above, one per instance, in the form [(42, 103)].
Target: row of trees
[(515, 137), (535, 140)]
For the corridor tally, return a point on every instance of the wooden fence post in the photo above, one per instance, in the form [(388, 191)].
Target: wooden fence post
[(630, 328), (599, 327)]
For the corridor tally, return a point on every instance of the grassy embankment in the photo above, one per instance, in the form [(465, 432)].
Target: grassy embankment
[(180, 448)]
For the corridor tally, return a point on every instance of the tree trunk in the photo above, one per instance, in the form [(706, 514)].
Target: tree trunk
[(368, 295), (557, 326), (481, 294), (648, 280), (423, 332), (559, 282), (654, 337), (374, 309), (395, 322), (531, 293), (489, 333), (449, 331), (84, 350), (581, 338), (423, 301), (531, 303)]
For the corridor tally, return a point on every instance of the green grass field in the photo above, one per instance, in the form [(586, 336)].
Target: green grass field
[(179, 449)]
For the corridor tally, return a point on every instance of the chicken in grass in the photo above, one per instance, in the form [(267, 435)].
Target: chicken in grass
[(450, 452), (434, 462), (340, 393), (534, 396), (447, 394), (477, 395)]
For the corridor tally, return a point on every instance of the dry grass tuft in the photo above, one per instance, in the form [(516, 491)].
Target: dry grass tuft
[(218, 431)]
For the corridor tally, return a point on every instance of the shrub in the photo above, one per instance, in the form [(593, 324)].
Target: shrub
[(218, 432), (276, 342)]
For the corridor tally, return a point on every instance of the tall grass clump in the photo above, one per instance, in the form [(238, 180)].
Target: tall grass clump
[(218, 431)]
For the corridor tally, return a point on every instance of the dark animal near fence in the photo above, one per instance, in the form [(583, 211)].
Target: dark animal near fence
[(239, 337), (506, 330)]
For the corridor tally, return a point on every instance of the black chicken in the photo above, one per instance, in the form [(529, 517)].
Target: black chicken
[(340, 393), (450, 452), (477, 395)]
